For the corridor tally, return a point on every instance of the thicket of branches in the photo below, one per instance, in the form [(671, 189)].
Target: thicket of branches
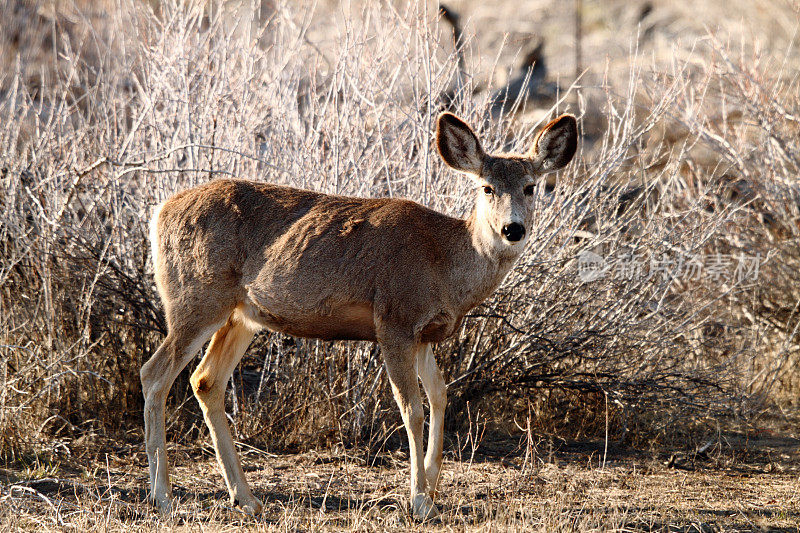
[(692, 161)]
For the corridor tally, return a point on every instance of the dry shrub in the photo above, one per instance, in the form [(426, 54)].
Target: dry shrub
[(171, 99)]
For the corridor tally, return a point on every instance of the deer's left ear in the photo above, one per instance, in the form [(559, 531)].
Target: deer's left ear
[(556, 144)]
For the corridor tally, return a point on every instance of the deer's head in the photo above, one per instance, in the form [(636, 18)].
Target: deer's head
[(506, 183)]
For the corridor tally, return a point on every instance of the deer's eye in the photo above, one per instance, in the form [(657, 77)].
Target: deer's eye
[(528, 190), (488, 191)]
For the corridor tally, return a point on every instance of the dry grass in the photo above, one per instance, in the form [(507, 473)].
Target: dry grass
[(736, 485), (108, 108)]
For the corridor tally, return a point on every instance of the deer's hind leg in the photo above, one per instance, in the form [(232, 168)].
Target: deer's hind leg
[(209, 382), (182, 343)]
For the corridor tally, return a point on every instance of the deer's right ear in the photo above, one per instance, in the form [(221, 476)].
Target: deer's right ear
[(458, 145), (556, 144)]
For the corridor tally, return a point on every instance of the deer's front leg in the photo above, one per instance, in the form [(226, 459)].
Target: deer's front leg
[(436, 390), (401, 367)]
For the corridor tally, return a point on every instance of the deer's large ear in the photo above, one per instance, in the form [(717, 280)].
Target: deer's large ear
[(556, 144), (458, 145)]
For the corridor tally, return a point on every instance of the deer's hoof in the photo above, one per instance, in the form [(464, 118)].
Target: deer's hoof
[(423, 508), (163, 503), (251, 505)]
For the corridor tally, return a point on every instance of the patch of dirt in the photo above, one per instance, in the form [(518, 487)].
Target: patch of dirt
[(732, 483)]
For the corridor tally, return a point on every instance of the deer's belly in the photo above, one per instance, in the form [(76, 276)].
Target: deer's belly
[(353, 322)]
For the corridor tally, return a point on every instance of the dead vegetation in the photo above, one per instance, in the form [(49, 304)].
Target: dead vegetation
[(106, 112), (507, 484)]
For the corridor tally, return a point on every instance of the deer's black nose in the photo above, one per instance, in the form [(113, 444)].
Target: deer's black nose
[(513, 232)]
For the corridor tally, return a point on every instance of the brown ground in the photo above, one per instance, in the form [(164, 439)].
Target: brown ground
[(737, 484)]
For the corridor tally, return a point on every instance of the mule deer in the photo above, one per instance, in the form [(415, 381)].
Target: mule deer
[(234, 256)]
